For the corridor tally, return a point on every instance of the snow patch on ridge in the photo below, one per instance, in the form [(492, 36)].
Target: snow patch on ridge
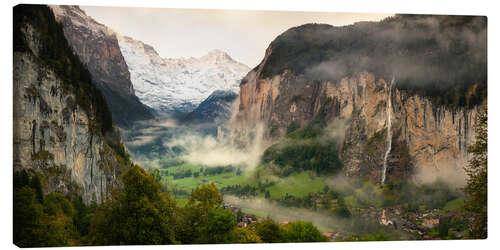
[(178, 84)]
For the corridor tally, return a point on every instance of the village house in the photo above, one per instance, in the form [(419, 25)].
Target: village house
[(430, 222)]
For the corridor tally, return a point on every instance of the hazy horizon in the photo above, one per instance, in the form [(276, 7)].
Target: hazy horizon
[(243, 34)]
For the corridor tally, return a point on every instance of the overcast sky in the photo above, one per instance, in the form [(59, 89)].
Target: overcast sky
[(244, 35)]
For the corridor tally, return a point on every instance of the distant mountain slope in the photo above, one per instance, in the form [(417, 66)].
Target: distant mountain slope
[(178, 84), (215, 109), (97, 46)]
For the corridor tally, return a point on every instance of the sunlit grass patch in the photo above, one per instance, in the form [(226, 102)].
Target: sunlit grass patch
[(298, 185)]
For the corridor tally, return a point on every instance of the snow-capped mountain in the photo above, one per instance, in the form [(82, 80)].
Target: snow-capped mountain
[(178, 84)]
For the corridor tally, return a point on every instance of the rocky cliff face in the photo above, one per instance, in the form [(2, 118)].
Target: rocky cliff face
[(425, 136), (54, 136), (340, 77), (97, 46)]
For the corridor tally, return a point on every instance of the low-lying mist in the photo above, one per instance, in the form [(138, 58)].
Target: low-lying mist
[(277, 212), (202, 144), (210, 151), (410, 195), (451, 175)]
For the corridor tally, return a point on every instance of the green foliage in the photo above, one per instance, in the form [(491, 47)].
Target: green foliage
[(246, 235), (449, 224), (454, 205), (269, 231), (381, 236), (155, 173), (299, 231), (240, 190), (27, 218), (308, 132), (297, 185), (43, 222), (377, 137), (342, 212), (219, 227), (43, 156), (58, 228), (21, 179), (292, 127), (82, 216), (137, 214), (206, 197), (203, 219), (477, 183), (318, 156), (169, 162), (429, 195), (56, 203), (37, 187)]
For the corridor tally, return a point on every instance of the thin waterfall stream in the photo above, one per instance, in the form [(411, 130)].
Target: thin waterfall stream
[(389, 131)]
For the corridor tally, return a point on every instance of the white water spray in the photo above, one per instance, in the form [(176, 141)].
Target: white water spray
[(389, 132)]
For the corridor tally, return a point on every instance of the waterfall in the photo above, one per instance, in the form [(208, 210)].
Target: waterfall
[(389, 132)]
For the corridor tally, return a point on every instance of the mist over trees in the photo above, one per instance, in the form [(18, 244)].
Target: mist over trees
[(441, 57)]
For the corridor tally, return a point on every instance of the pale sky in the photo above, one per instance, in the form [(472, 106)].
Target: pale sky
[(243, 34)]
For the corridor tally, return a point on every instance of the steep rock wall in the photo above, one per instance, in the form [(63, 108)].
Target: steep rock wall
[(54, 136), (425, 137)]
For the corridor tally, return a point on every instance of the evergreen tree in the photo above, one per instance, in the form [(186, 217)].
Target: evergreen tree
[(477, 184)]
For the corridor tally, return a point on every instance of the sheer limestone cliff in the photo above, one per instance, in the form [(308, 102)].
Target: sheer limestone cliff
[(425, 136), (59, 133), (340, 77)]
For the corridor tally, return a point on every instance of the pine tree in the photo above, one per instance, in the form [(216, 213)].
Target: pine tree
[(477, 185)]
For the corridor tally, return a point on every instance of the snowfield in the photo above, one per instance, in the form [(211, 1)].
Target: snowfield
[(178, 84)]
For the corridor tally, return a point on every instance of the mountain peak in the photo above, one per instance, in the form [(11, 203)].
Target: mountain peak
[(217, 56), (179, 84), (79, 18)]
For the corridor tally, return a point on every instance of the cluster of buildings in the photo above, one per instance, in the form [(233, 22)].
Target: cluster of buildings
[(421, 222), (243, 219)]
